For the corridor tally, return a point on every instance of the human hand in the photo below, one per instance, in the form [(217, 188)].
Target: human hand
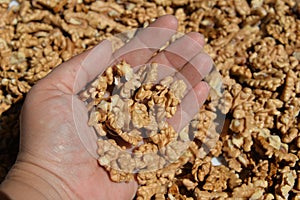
[(54, 162)]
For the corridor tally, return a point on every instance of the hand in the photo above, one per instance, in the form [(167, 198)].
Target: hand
[(53, 162)]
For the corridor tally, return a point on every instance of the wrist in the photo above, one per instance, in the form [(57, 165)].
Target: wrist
[(28, 181)]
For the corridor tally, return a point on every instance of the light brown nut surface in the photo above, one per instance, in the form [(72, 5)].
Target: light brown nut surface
[(131, 122), (255, 46)]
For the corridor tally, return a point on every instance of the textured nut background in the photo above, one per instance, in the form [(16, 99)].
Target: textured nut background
[(255, 46)]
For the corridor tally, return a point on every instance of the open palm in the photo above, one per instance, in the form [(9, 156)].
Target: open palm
[(56, 141)]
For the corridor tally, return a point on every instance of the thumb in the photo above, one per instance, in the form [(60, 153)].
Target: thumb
[(72, 76)]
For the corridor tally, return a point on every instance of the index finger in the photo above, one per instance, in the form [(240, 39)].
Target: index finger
[(147, 41)]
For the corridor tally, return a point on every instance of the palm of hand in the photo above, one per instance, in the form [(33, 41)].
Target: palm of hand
[(49, 136), (50, 140)]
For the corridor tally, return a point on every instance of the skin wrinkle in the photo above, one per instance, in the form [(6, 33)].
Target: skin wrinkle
[(62, 85), (204, 61), (76, 85), (193, 81), (31, 163), (28, 185), (54, 97), (137, 42), (121, 57), (61, 179)]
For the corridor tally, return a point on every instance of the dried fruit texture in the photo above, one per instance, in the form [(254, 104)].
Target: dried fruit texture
[(255, 45), (132, 115)]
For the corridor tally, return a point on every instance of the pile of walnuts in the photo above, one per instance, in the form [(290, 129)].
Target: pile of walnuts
[(129, 112), (255, 45)]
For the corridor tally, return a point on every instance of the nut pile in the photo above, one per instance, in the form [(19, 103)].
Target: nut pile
[(129, 110), (255, 46)]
